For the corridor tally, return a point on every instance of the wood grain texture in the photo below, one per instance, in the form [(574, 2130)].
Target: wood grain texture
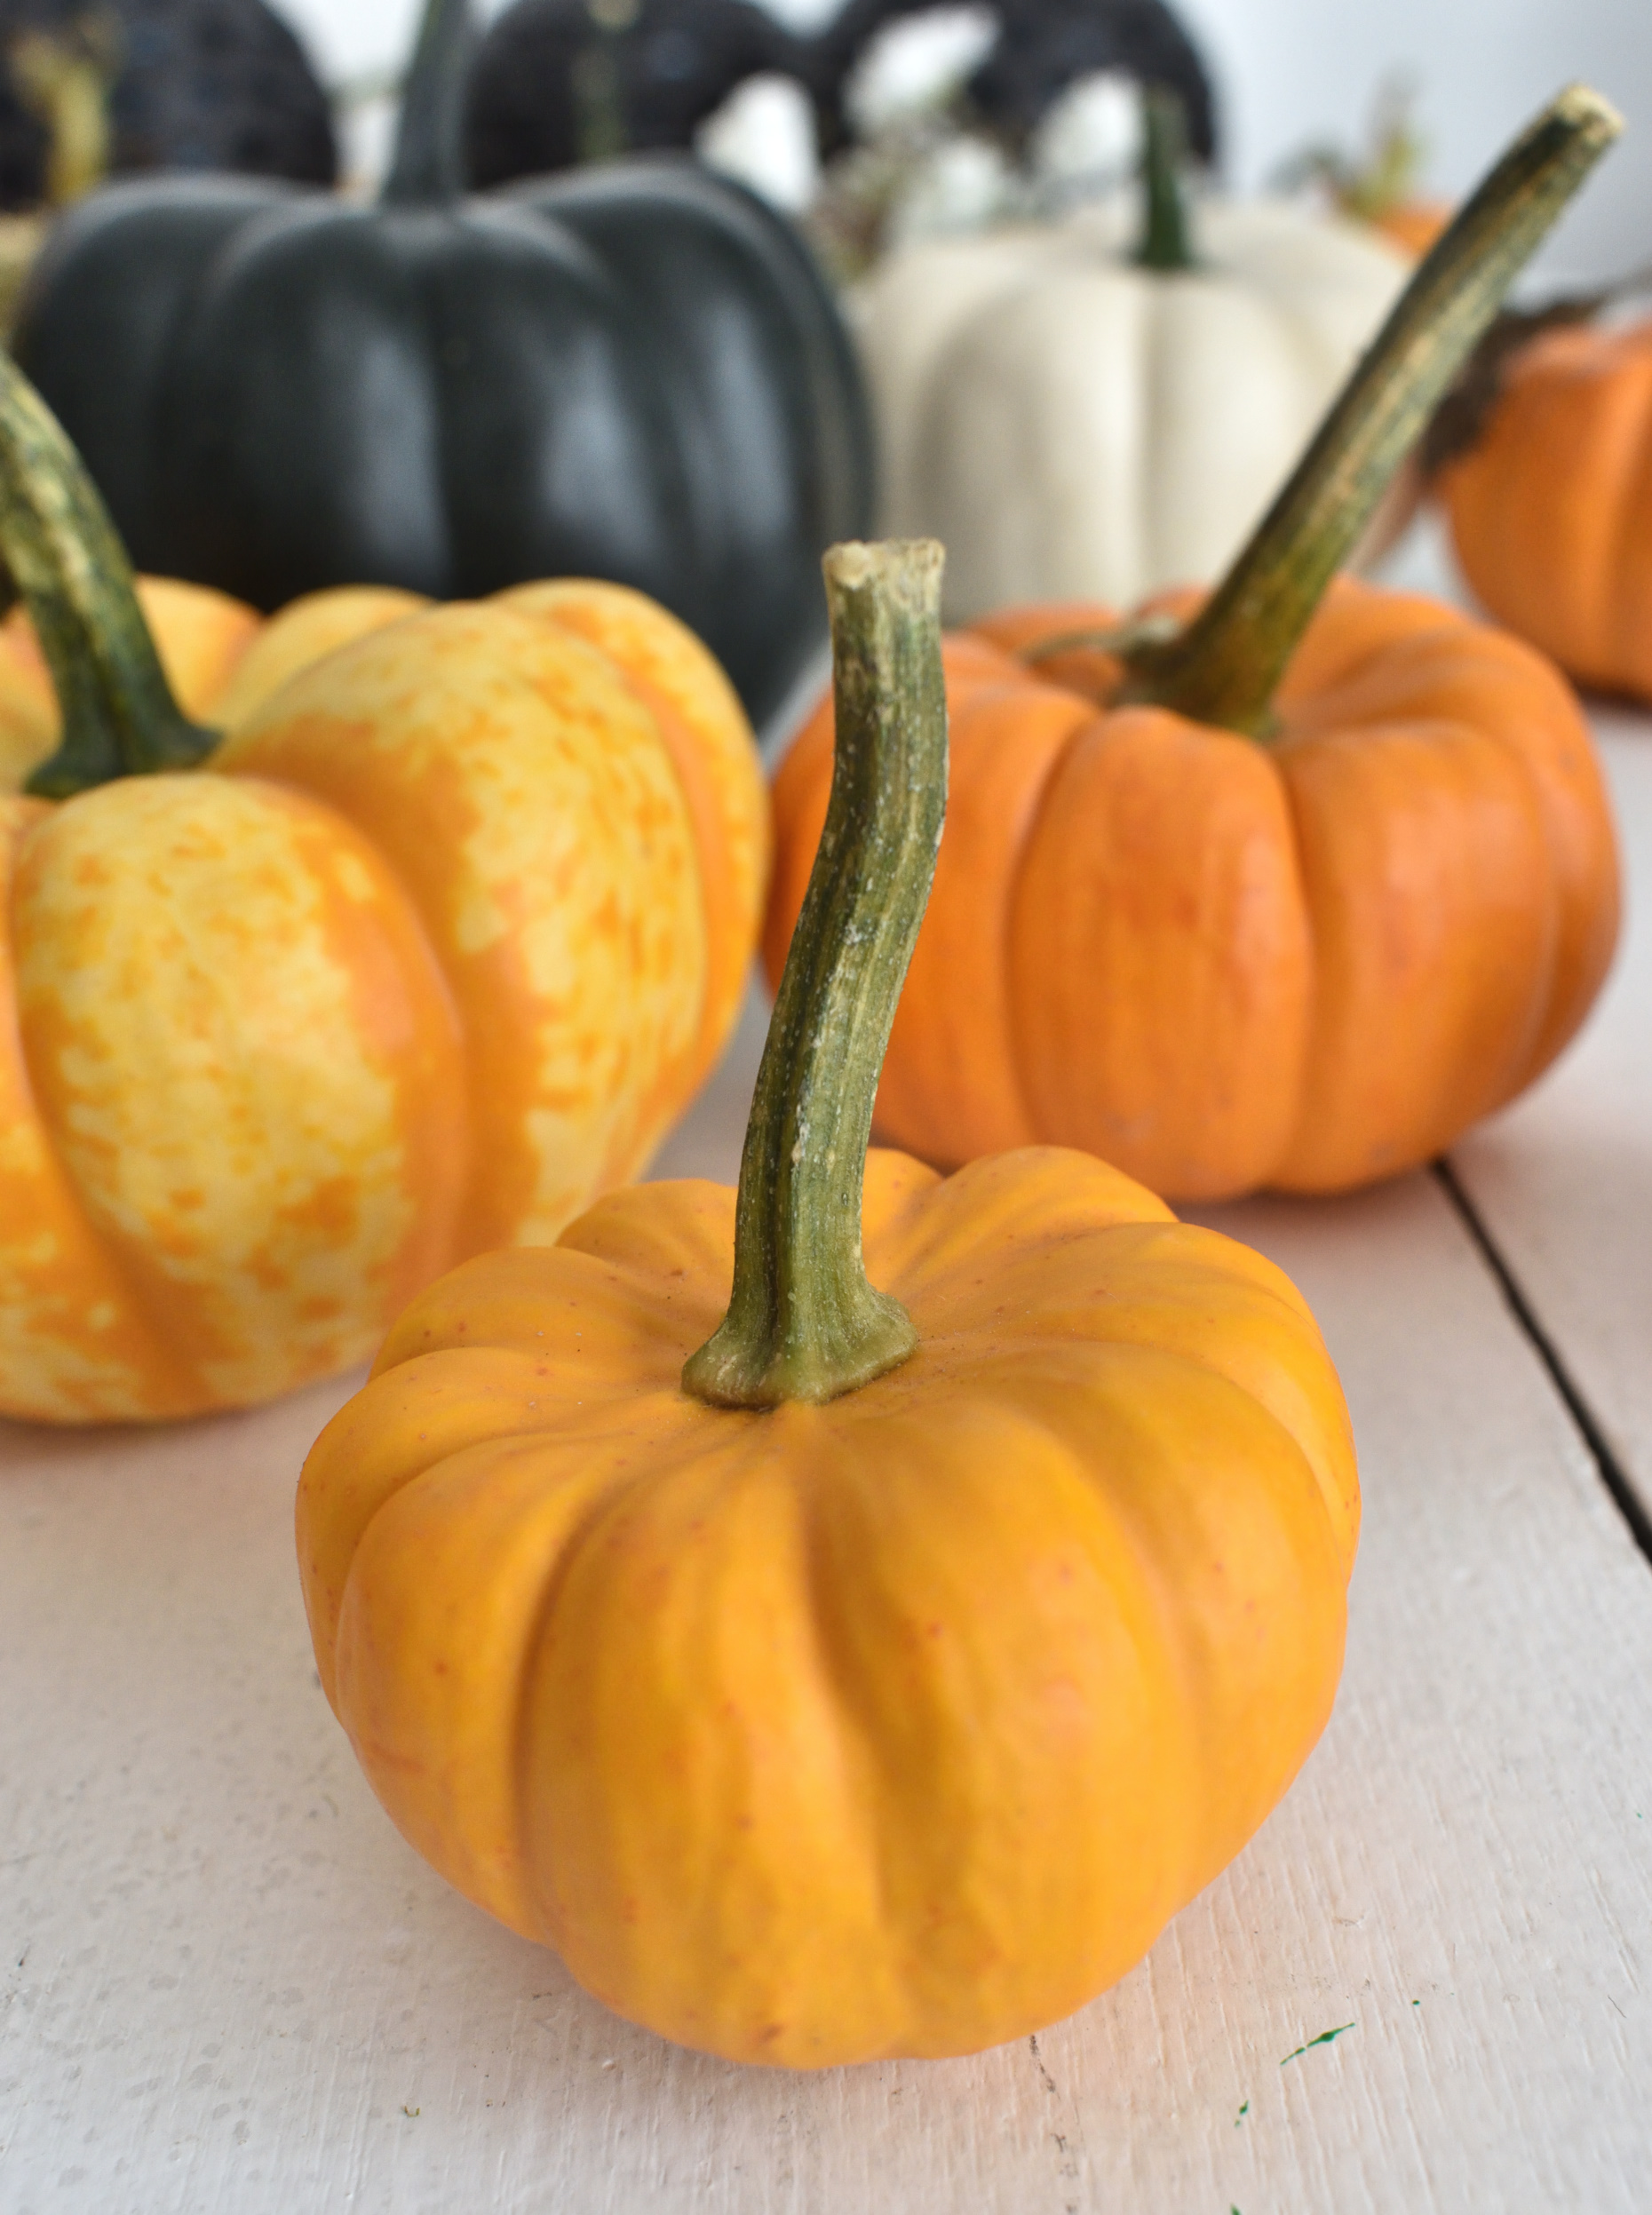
[(225, 1982)]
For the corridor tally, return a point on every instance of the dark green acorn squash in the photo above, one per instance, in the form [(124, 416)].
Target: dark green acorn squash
[(1043, 46), (560, 82), (193, 84), (633, 372)]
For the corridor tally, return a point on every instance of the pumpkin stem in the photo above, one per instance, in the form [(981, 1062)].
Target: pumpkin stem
[(1225, 667), (598, 81), (1387, 177), (65, 80), (802, 1322), (427, 168), (1165, 242), (119, 715)]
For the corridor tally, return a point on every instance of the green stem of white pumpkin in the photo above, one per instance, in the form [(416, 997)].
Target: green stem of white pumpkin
[(428, 167), (1166, 243), (802, 1322), (119, 715), (1226, 666)]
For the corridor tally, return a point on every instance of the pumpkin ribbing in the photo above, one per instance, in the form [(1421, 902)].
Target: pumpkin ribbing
[(893, 1722), (1223, 965)]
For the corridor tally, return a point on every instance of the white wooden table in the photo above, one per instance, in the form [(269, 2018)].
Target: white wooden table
[(226, 1984)]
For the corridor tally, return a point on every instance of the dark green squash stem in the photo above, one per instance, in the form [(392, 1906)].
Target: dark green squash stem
[(1166, 243), (64, 78), (802, 1322), (1224, 666), (119, 716), (598, 81), (427, 166)]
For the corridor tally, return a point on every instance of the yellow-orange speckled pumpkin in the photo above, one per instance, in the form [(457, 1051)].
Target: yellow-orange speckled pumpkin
[(221, 658), (429, 951)]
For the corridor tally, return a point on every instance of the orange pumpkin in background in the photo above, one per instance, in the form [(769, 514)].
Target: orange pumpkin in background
[(428, 951), (1259, 895), (1551, 506)]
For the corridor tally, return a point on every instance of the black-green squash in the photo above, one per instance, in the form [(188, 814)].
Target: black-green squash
[(560, 82), (192, 84), (1043, 46), (633, 372)]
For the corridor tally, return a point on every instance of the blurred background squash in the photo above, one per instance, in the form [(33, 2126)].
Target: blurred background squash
[(1097, 408), (1550, 499), (633, 373), (96, 88), (559, 81), (1041, 48), (191, 84)]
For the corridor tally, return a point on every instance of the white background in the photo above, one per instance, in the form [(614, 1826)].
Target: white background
[(1289, 70)]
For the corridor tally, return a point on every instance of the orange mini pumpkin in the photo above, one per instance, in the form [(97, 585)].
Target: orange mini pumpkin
[(1551, 506), (879, 1677), (1307, 897)]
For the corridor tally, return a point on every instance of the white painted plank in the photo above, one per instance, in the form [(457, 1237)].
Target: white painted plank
[(1563, 1178), (226, 1983)]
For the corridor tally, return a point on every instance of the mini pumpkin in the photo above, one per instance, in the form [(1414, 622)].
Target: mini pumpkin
[(1259, 895), (879, 1677), (1104, 406), (431, 950), (1551, 506)]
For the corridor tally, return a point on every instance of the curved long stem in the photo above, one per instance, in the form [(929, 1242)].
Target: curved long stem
[(119, 715), (802, 1322), (428, 167), (1226, 666)]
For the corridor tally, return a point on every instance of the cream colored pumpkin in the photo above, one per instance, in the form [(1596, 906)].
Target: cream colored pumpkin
[(1074, 426)]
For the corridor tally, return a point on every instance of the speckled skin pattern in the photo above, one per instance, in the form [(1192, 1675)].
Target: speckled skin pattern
[(431, 954)]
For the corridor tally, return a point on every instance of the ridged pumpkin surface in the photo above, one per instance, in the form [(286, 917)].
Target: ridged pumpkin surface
[(434, 952), (1551, 509), (895, 1725), (1221, 965)]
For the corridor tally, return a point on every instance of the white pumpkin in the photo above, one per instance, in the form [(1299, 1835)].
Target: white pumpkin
[(1074, 426)]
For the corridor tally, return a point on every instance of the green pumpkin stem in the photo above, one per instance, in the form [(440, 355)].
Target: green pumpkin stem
[(427, 166), (1165, 241), (802, 1322), (65, 80), (119, 716), (598, 81), (1225, 667)]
